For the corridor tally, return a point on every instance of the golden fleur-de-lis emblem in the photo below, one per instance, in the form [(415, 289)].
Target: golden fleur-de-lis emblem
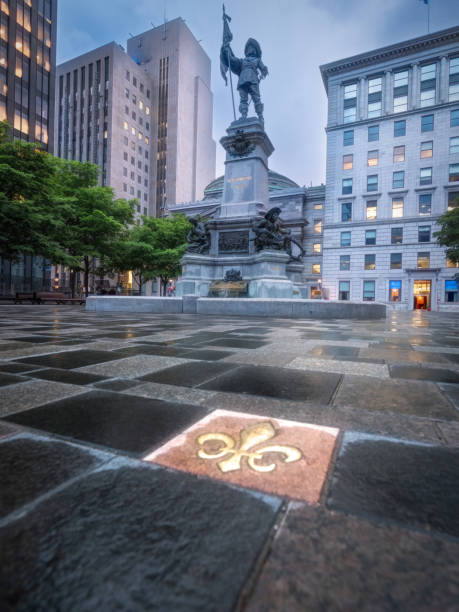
[(249, 437)]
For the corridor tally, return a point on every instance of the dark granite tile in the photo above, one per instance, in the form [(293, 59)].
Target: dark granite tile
[(189, 374), (148, 349), (254, 330), (136, 538), (359, 359), (325, 561), (125, 422), (332, 351), (404, 482), (451, 392), (72, 359), (207, 355), (454, 358), (10, 379), (36, 339), (119, 384), (17, 368), (67, 376), (277, 382), (31, 466), (419, 373), (238, 343)]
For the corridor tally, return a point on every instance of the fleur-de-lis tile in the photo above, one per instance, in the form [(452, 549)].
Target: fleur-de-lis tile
[(276, 456)]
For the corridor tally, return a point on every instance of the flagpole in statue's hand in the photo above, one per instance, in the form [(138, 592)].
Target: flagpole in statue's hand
[(227, 37)]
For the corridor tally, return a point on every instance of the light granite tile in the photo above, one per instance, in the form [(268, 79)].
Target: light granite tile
[(16, 398), (339, 367), (172, 393), (132, 367)]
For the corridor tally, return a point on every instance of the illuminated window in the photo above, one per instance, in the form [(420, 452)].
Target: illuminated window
[(424, 233), (452, 264), (369, 291), (3, 27), (397, 208), (370, 261), (399, 154), (395, 290), (5, 7), (428, 84), (454, 145), (400, 128), (147, 110), (316, 268), (140, 136), (344, 262), (423, 260), (318, 206), (316, 247), (345, 239), (346, 186), (425, 177), (425, 204), (371, 208), (373, 158), (147, 140), (348, 162), (2, 110), (374, 97), (125, 125), (372, 182), (346, 211), (317, 226), (401, 91), (398, 179), (426, 149), (453, 79), (453, 173), (348, 138), (395, 261), (344, 290), (140, 105)]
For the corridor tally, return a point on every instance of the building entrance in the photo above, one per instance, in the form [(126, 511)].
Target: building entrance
[(421, 295)]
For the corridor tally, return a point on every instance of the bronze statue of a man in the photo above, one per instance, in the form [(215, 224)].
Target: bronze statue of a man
[(250, 70)]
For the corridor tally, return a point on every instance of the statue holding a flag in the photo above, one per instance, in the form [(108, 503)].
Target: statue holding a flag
[(250, 70)]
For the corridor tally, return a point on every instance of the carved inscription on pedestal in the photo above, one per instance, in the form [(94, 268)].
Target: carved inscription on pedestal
[(233, 242)]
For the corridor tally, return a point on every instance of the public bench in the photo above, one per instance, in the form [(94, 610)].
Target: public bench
[(28, 297), (46, 297)]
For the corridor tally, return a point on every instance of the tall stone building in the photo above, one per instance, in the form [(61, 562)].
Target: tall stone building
[(27, 77), (392, 171)]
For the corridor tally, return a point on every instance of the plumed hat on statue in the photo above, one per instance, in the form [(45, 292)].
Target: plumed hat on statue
[(253, 43)]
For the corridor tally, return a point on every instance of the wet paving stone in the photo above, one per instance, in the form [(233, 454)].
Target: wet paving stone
[(334, 351), (10, 379), (419, 373), (120, 384), (207, 355), (67, 376), (36, 339), (148, 349), (327, 561), (277, 382), (238, 343), (71, 552), (404, 482), (71, 359), (189, 374), (32, 465), (120, 421)]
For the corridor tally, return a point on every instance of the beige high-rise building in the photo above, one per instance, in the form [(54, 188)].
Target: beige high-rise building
[(183, 147)]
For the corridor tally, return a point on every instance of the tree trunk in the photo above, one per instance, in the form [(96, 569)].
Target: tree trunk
[(86, 275), (72, 281)]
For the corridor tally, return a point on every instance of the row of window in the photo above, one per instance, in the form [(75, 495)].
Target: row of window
[(425, 152), (139, 178), (371, 208), (140, 135), (398, 179), (142, 106), (139, 119), (427, 125), (132, 192), (427, 91), (139, 163), (424, 235), (134, 82), (395, 290), (139, 148), (369, 263)]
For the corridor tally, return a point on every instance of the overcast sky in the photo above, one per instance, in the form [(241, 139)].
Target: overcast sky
[(296, 37)]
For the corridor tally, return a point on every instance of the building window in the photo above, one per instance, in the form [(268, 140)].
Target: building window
[(373, 133), (344, 290), (126, 141), (454, 118), (395, 290), (428, 84), (425, 177), (317, 226), (126, 92), (350, 103), (346, 186), (345, 262), (317, 247), (426, 149), (316, 268), (399, 154), (425, 204), (133, 161), (397, 208), (454, 144), (451, 293), (400, 91), (124, 187), (370, 261), (396, 235), (371, 208), (125, 125), (374, 97), (128, 76), (369, 291), (453, 79), (424, 233), (453, 173), (125, 156), (427, 123), (346, 211), (348, 138), (131, 190), (348, 161), (395, 261), (132, 176), (453, 199), (345, 239), (318, 206), (423, 260), (124, 171), (134, 81), (372, 158), (399, 128), (398, 179), (452, 264), (370, 237), (372, 182)]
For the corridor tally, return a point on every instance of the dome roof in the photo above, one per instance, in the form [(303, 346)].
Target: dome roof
[(276, 182)]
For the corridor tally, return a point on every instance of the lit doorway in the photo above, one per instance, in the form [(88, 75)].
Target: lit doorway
[(421, 295)]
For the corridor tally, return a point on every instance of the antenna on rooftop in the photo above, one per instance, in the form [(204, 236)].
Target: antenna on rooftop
[(131, 35), (152, 24)]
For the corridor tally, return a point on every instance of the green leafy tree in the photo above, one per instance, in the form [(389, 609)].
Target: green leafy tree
[(95, 221), (153, 249), (448, 235)]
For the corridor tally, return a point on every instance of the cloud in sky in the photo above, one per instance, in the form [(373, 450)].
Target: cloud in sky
[(296, 37)]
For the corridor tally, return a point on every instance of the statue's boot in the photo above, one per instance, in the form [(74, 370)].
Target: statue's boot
[(259, 110)]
